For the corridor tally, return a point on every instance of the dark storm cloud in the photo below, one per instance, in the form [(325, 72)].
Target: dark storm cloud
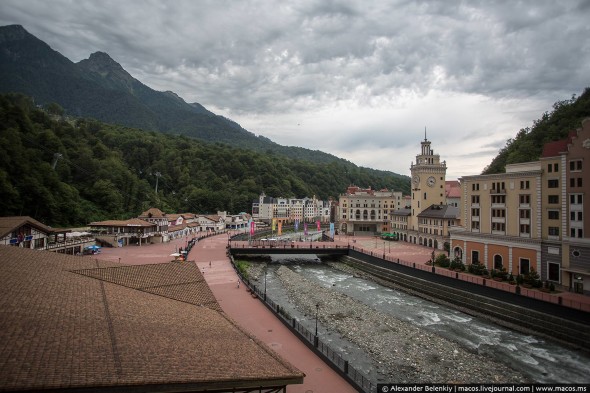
[(351, 66)]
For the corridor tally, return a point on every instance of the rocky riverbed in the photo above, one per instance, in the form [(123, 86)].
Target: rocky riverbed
[(403, 352)]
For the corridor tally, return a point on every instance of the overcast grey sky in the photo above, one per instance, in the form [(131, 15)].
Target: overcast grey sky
[(358, 79)]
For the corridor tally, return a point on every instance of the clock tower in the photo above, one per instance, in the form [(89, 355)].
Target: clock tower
[(428, 182)]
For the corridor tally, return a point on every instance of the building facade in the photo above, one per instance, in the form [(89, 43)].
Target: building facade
[(366, 211), (532, 216), (266, 209)]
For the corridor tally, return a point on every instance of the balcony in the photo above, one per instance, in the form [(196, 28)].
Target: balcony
[(498, 191)]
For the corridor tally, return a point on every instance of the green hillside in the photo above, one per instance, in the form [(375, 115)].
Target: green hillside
[(528, 143), (109, 172)]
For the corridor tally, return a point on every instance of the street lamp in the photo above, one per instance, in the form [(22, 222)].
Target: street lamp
[(317, 309), (265, 270)]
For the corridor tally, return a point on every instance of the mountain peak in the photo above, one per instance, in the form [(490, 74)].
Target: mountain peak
[(101, 62), (13, 33)]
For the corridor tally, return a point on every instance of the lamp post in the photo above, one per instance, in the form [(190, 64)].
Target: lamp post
[(265, 270), (317, 309)]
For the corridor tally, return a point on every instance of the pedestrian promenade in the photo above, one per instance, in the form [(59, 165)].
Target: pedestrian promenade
[(250, 313)]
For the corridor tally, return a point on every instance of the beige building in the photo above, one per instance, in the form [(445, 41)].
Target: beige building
[(532, 216), (366, 211), (501, 216)]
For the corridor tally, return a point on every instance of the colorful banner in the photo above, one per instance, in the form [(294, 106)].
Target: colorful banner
[(296, 225), (280, 231), (305, 229), (274, 223), (252, 228), (318, 225), (332, 230)]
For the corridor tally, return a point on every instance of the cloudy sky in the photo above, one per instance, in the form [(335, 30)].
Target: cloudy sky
[(358, 79)]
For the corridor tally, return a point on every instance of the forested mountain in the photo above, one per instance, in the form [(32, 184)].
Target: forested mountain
[(528, 143), (69, 172), (99, 88)]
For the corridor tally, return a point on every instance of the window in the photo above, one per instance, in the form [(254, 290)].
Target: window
[(553, 271), (576, 165), (553, 231), (525, 213), (499, 199), (475, 212), (498, 226), (579, 182), (525, 199), (498, 213), (525, 229), (553, 183), (474, 199), (475, 225), (576, 199), (497, 262), (525, 266), (553, 199), (555, 167), (474, 256), (549, 167), (524, 185), (475, 187), (553, 214)]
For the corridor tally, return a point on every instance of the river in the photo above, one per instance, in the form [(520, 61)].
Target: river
[(538, 359)]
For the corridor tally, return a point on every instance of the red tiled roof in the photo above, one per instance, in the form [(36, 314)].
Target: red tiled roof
[(452, 189), (78, 323), (133, 222), (153, 212), (552, 149)]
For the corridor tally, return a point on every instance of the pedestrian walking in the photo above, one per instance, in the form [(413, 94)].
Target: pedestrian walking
[(209, 263), (238, 283)]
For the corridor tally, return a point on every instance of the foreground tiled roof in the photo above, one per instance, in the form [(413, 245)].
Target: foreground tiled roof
[(70, 322)]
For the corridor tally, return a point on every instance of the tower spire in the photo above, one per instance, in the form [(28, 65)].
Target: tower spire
[(425, 134)]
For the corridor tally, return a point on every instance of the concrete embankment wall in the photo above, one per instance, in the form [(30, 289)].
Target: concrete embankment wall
[(565, 325)]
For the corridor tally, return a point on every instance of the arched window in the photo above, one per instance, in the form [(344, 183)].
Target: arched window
[(497, 262), (365, 215), (358, 214)]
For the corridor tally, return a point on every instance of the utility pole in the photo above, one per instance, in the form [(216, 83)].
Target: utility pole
[(157, 174), (56, 157)]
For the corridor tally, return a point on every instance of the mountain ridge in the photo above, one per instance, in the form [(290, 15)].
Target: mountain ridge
[(100, 88)]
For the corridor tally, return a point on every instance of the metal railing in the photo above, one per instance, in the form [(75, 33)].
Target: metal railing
[(355, 377)]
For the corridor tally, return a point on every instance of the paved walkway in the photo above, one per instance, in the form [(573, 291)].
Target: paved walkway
[(209, 255)]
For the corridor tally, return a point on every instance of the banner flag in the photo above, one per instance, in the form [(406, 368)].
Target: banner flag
[(332, 230), (296, 225), (252, 227), (305, 229), (280, 228), (318, 225), (274, 222)]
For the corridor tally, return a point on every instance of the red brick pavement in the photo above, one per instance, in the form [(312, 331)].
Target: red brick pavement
[(239, 305)]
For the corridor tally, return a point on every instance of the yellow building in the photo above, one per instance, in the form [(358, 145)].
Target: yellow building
[(532, 216), (501, 222), (366, 211)]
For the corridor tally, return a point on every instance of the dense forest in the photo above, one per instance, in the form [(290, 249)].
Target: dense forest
[(528, 143), (69, 172)]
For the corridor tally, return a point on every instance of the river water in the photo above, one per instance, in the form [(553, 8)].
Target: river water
[(540, 360)]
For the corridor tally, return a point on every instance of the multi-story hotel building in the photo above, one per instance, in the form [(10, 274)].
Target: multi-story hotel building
[(532, 216), (366, 211), (266, 208)]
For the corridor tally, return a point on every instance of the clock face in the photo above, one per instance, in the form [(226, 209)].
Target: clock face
[(416, 179), (431, 180)]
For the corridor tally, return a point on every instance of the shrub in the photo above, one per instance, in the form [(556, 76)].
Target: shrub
[(442, 260)]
